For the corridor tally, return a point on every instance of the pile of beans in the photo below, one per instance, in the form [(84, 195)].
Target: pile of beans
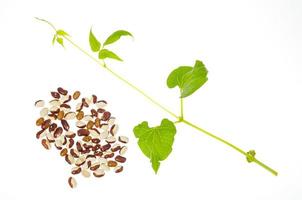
[(85, 135)]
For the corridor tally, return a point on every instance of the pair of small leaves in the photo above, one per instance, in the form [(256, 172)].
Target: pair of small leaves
[(155, 142), (250, 156), (58, 37), (96, 45), (188, 79)]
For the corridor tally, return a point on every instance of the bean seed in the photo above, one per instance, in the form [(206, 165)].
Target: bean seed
[(90, 124), (55, 102), (100, 110), (94, 98), (46, 124), (80, 115), (80, 124), (40, 134), (65, 124), (40, 121), (63, 152), (101, 104), (79, 146), (62, 91), (94, 133), (45, 144), (58, 132), (99, 173), (70, 134), (69, 159), (58, 144), (123, 150), (86, 138), (84, 103), (94, 112), (76, 95), (55, 95), (115, 147), (95, 166), (54, 109), (120, 159), (52, 116), (50, 137), (123, 139), (39, 103), (109, 155), (76, 170), (105, 147), (80, 161), (106, 116), (85, 173), (114, 129), (52, 127), (79, 106), (71, 143), (83, 132), (70, 115), (60, 115), (43, 112), (97, 122), (72, 182), (96, 140), (65, 99), (111, 163), (110, 139), (74, 153), (118, 169)]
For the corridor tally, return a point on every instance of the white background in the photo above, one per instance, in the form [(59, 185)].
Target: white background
[(252, 50)]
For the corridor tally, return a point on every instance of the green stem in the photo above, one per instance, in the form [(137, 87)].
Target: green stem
[(180, 119)]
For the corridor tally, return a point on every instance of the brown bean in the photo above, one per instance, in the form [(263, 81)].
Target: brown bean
[(111, 163), (96, 140), (66, 106), (123, 139), (63, 152), (120, 159), (60, 115), (46, 124), (76, 170), (76, 95), (90, 124), (94, 112), (106, 116), (58, 132), (118, 169), (97, 122), (70, 134), (79, 147), (86, 138), (45, 144), (55, 95), (80, 115), (98, 153), (52, 127), (80, 161), (99, 173), (69, 159), (40, 121), (109, 155), (100, 110), (83, 132), (115, 148), (39, 103), (71, 143), (94, 167), (72, 182), (105, 147), (94, 98), (74, 153), (65, 124), (39, 133), (79, 107), (62, 91), (114, 129), (52, 116)]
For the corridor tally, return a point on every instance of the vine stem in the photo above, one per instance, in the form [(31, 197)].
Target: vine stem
[(179, 118), (181, 108)]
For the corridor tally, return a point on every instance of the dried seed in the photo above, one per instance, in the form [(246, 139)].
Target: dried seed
[(55, 102), (60, 115), (79, 146), (123, 139), (94, 112), (85, 173), (39, 103), (46, 124), (40, 134), (50, 137), (95, 166), (80, 161), (111, 163), (123, 150), (58, 144), (114, 129), (69, 159), (105, 147), (54, 109), (106, 116), (110, 139), (65, 124), (83, 132), (62, 91), (101, 104), (99, 173), (52, 116), (94, 133), (100, 110), (84, 103), (44, 112), (115, 147), (58, 132), (97, 122), (40, 121), (45, 144), (55, 95), (72, 182), (70, 134), (76, 95), (79, 106), (86, 138), (120, 159), (94, 98), (96, 140), (74, 153), (80, 124), (63, 152), (52, 127), (76, 170), (70, 115), (109, 155), (71, 143), (118, 169), (90, 124), (80, 115)]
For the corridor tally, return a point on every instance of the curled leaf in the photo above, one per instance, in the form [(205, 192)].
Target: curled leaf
[(250, 157), (95, 45), (60, 41), (62, 33), (155, 142), (105, 53), (188, 79), (116, 36)]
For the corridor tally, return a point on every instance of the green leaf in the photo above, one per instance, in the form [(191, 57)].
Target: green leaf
[(155, 142), (95, 45), (54, 39), (116, 36), (62, 33), (60, 41), (105, 53), (250, 156), (188, 79)]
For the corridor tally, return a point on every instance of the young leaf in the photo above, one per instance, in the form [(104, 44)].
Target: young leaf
[(188, 79), (62, 33), (60, 41), (95, 45), (105, 53), (116, 36), (155, 142)]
